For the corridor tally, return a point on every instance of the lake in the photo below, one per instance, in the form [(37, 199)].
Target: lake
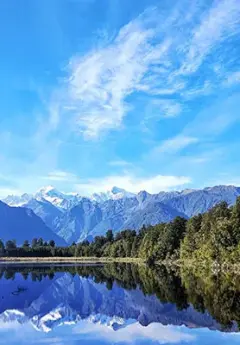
[(116, 304)]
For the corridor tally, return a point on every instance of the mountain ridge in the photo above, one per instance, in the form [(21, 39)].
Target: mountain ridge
[(20, 224), (84, 218)]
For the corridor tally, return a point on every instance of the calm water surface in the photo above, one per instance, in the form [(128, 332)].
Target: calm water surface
[(116, 304)]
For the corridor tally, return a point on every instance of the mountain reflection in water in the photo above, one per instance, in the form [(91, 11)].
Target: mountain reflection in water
[(118, 302)]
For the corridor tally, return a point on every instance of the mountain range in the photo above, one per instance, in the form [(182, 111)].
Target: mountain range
[(67, 299), (73, 217)]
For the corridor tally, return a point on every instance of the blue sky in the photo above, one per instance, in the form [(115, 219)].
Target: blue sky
[(139, 94)]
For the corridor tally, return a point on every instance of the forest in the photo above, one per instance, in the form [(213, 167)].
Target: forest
[(212, 237)]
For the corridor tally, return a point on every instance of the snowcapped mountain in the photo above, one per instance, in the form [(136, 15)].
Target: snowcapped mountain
[(58, 199), (89, 219), (65, 201), (114, 194), (75, 218), (63, 315)]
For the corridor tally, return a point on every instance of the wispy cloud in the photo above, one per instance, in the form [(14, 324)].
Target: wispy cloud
[(175, 144), (59, 175), (132, 183), (224, 178), (161, 64), (232, 78), (100, 82), (162, 108), (215, 119), (217, 24), (154, 54), (200, 137), (120, 163)]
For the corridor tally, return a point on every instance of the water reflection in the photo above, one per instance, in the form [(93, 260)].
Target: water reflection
[(117, 303)]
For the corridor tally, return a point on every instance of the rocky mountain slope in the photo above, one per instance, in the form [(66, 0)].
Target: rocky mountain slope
[(45, 210)]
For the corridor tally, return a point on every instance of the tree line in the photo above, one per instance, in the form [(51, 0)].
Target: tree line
[(37, 248), (210, 237)]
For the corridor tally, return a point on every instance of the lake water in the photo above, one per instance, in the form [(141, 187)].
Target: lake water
[(116, 304)]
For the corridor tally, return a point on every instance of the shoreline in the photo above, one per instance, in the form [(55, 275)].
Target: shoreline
[(68, 260)]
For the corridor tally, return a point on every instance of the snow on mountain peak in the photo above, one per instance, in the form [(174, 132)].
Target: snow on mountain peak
[(49, 191), (114, 194), (45, 189), (18, 200), (57, 317), (65, 200), (59, 199), (113, 322), (63, 316)]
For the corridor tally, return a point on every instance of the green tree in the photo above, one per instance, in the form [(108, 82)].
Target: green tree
[(109, 236), (2, 248), (26, 244), (52, 243), (34, 243), (40, 242), (11, 244), (191, 241), (78, 250), (134, 250), (235, 220)]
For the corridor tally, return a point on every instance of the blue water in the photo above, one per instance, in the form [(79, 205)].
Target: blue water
[(63, 307)]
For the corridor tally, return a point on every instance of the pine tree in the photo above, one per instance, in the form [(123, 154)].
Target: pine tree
[(26, 244), (2, 248), (235, 220)]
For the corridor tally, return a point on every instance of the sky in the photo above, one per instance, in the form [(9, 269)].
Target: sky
[(85, 332), (143, 94)]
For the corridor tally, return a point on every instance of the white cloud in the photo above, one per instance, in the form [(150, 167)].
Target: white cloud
[(224, 179), (197, 160), (159, 108), (9, 326), (216, 119), (174, 145), (132, 183), (232, 78), (153, 55), (59, 175), (101, 81), (157, 57), (134, 333), (217, 25), (120, 163), (5, 191)]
